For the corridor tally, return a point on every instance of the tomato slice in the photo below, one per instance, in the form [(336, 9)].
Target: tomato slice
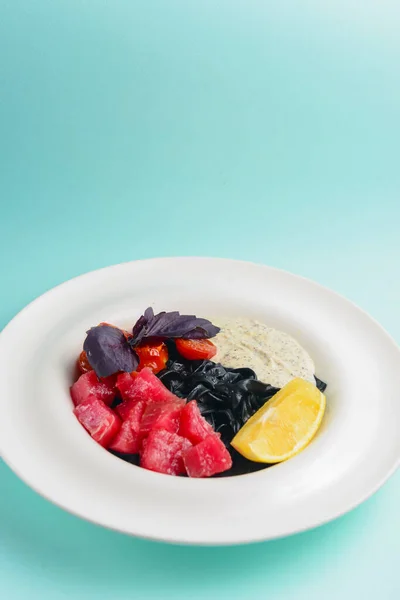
[(152, 354), (196, 349), (83, 363)]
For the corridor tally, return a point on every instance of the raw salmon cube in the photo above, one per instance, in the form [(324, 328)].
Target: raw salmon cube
[(127, 440), (89, 385), (99, 420), (207, 458), (143, 386), (163, 452), (193, 426), (161, 415), (124, 409)]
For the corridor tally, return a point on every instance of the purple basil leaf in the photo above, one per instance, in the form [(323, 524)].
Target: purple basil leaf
[(140, 325), (108, 351), (198, 333), (171, 325)]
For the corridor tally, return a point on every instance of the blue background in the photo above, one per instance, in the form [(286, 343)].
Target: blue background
[(246, 129)]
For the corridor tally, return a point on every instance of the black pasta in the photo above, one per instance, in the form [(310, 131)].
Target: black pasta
[(226, 397), (321, 385)]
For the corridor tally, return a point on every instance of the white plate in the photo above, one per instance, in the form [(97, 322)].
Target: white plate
[(358, 446)]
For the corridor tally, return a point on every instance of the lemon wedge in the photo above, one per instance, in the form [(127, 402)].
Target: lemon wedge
[(284, 425)]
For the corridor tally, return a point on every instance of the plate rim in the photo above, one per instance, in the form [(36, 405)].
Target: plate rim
[(28, 480)]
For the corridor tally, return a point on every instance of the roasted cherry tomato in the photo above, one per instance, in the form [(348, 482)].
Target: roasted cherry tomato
[(83, 363), (196, 349), (152, 354)]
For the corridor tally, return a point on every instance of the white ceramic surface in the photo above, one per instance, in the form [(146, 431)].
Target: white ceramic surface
[(356, 450)]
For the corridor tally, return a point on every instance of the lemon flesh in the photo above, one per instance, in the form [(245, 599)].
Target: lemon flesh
[(284, 425)]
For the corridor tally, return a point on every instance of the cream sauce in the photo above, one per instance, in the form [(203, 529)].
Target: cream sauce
[(274, 355)]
